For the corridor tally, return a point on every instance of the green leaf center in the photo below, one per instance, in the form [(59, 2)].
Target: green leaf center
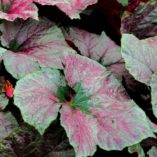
[(75, 97), (14, 46)]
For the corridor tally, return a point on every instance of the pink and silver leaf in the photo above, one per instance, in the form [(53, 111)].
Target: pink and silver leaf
[(43, 41), (92, 76), (115, 130), (12, 9), (102, 49), (112, 122), (81, 130), (34, 94), (140, 56), (97, 47), (110, 106), (18, 65), (74, 7)]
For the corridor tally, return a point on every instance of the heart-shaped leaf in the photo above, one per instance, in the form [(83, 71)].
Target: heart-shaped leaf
[(95, 109), (107, 97)]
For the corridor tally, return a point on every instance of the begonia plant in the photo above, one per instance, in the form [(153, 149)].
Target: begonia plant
[(72, 91)]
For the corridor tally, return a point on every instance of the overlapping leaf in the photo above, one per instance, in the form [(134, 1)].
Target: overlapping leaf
[(2, 50), (137, 149), (102, 96), (7, 124), (121, 73), (3, 98), (98, 47), (152, 152), (104, 90), (25, 141), (6, 150), (102, 49), (70, 7), (37, 94), (74, 7), (33, 44), (12, 9), (142, 23), (153, 84), (141, 61), (19, 64), (3, 101), (140, 56)]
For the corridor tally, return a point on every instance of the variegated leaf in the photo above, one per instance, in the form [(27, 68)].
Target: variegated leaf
[(37, 41), (94, 107), (140, 56), (12, 9)]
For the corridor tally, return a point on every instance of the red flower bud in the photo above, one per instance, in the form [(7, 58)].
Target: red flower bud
[(8, 89)]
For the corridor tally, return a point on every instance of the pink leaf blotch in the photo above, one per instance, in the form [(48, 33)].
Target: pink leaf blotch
[(12, 9)]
